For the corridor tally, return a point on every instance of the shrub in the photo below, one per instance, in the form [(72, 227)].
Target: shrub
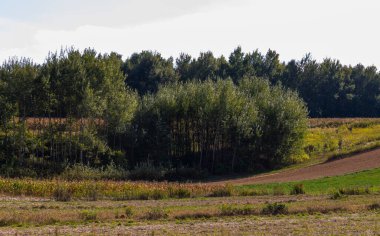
[(225, 191), (275, 209), (278, 190), (62, 194), (92, 193), (253, 192), (355, 191), (228, 210), (128, 211), (184, 174), (374, 206), (84, 172), (146, 171), (155, 213), (88, 215), (337, 195), (141, 195), (80, 172), (179, 193), (112, 172), (297, 189), (193, 215), (158, 194)]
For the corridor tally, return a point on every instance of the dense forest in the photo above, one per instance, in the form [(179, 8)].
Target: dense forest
[(153, 114)]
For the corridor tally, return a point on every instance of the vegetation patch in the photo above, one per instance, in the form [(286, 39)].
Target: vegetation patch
[(355, 183), (155, 213), (275, 209), (230, 210)]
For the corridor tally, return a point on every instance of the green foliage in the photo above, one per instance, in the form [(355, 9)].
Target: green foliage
[(128, 211), (337, 195), (278, 190), (275, 209), (179, 193), (221, 127), (297, 189), (355, 190), (83, 172), (230, 210), (62, 193), (96, 109), (88, 215), (225, 191), (147, 171), (155, 213), (374, 206), (146, 71), (282, 123)]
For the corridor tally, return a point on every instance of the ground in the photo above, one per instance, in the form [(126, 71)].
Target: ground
[(307, 215), (338, 197), (357, 162)]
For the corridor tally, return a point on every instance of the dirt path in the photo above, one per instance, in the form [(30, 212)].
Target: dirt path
[(355, 163)]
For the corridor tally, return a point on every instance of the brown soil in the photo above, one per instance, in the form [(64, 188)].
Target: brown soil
[(358, 162)]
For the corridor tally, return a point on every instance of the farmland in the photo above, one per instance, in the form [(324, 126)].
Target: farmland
[(342, 204), (279, 214)]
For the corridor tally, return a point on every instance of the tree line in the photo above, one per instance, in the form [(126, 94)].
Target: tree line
[(241, 114), (329, 88)]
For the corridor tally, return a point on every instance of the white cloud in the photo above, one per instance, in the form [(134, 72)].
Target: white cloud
[(340, 29)]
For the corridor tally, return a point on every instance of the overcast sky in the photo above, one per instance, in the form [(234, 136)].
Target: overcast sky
[(348, 30)]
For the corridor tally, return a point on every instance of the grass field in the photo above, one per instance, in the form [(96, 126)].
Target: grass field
[(362, 180)]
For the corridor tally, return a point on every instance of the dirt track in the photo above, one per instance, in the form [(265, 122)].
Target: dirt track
[(355, 163)]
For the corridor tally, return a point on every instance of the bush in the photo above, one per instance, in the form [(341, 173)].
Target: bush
[(141, 195), (146, 171), (80, 172), (83, 172), (337, 195), (278, 190), (297, 189), (158, 194), (92, 193), (374, 206), (275, 209), (155, 213), (62, 194), (179, 193), (228, 210), (253, 192), (112, 172), (225, 191), (88, 215), (193, 215), (184, 174), (128, 211), (355, 191)]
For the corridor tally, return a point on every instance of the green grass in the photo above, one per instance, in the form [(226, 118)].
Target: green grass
[(364, 179)]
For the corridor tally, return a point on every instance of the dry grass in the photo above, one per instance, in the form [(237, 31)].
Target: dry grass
[(30, 213), (330, 224), (117, 190), (334, 122)]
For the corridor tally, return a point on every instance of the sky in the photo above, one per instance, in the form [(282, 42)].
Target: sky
[(347, 30)]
